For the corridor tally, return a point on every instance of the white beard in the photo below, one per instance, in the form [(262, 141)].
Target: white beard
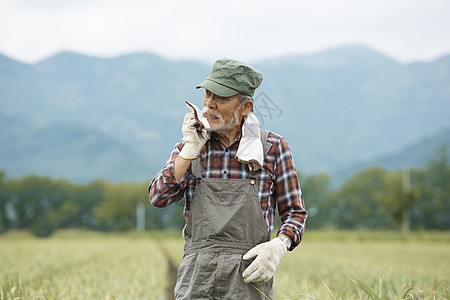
[(222, 128)]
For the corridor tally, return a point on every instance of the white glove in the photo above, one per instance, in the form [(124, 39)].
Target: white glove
[(268, 256), (193, 139)]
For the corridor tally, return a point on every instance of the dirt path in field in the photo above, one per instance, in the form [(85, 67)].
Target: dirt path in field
[(172, 278), (171, 273)]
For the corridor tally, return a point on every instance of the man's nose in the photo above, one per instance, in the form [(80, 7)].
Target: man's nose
[(210, 102)]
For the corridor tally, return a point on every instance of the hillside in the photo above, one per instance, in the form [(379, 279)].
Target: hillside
[(416, 155), (70, 150), (119, 118)]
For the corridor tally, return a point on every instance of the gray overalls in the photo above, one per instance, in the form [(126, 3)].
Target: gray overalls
[(225, 221)]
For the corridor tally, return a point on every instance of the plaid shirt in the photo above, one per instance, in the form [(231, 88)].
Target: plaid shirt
[(278, 182)]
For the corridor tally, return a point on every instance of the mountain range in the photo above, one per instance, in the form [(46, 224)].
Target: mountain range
[(118, 118)]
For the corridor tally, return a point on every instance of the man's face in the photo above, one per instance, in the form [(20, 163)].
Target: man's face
[(222, 113)]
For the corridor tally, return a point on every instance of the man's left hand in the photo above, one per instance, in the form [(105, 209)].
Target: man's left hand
[(268, 256)]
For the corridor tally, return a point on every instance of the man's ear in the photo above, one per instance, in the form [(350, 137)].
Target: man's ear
[(246, 108)]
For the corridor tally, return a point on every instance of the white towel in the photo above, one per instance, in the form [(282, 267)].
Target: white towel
[(250, 150)]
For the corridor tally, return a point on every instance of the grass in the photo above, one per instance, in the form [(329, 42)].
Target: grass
[(369, 268), (92, 267), (327, 265)]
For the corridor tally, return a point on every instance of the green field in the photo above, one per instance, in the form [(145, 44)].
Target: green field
[(328, 265)]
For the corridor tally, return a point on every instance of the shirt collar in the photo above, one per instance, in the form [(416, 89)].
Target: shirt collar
[(236, 139)]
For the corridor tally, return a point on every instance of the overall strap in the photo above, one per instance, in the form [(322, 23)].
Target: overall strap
[(266, 147), (197, 168), (265, 143)]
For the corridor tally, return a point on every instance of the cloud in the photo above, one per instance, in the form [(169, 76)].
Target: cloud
[(206, 29)]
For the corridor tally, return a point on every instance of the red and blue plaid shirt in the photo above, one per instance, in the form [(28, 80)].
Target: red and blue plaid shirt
[(278, 182)]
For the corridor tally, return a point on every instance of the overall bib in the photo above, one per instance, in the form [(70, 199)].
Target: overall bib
[(225, 221)]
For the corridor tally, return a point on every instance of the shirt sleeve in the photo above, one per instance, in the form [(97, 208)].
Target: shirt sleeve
[(290, 202), (164, 189)]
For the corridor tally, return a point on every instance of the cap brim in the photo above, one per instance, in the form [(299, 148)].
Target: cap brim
[(218, 89)]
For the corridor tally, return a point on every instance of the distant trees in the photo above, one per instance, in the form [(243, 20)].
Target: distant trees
[(42, 205), (374, 198), (360, 201), (432, 189), (320, 212)]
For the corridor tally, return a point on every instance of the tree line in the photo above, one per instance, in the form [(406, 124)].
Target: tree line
[(374, 198)]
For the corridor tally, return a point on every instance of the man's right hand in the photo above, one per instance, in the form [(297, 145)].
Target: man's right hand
[(193, 138)]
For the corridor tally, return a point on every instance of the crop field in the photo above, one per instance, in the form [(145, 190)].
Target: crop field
[(327, 265)]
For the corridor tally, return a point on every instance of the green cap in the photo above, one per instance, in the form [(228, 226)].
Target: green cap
[(229, 77)]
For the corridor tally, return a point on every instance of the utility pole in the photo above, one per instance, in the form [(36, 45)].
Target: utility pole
[(406, 187), (140, 217)]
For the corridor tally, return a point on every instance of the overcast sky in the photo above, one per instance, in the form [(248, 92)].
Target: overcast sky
[(249, 30)]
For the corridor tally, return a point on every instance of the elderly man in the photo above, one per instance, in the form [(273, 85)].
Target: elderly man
[(233, 176)]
